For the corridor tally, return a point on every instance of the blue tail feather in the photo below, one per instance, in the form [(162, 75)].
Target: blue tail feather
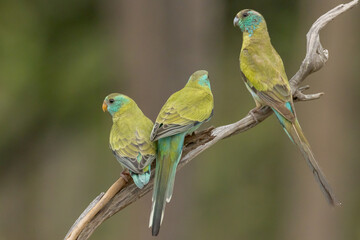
[(282, 120), (141, 180)]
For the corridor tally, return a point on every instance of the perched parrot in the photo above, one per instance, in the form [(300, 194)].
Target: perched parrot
[(263, 72), (182, 114), (130, 137)]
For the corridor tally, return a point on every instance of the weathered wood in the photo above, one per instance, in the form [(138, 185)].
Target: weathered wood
[(315, 59), (96, 205), (83, 214)]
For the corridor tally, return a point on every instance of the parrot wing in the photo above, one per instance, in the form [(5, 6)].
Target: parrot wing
[(183, 111), (279, 101), (134, 152)]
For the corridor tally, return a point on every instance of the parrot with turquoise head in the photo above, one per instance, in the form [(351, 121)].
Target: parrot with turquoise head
[(263, 72), (130, 137), (181, 115)]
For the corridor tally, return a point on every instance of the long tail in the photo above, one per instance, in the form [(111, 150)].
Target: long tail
[(297, 136), (169, 154)]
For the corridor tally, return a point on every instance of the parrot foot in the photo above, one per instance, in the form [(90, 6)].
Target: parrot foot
[(125, 175), (254, 111)]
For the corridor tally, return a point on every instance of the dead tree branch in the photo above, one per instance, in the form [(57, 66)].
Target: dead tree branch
[(315, 59)]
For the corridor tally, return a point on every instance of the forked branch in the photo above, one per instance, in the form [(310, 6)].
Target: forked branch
[(116, 200)]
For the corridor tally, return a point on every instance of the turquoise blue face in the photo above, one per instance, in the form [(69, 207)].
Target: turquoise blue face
[(201, 78), (204, 81), (115, 101), (248, 21)]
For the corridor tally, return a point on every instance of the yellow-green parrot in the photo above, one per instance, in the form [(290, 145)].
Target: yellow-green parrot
[(263, 72), (130, 137), (182, 114)]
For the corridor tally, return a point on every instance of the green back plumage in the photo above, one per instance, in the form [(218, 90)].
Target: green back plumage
[(130, 136), (193, 103), (186, 108)]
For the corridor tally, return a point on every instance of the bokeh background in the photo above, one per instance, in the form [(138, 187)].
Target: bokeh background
[(60, 58)]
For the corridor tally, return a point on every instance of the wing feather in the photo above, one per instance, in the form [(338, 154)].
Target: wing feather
[(183, 111), (135, 151)]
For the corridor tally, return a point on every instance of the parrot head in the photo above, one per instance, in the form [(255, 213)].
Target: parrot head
[(199, 79), (115, 101), (248, 21)]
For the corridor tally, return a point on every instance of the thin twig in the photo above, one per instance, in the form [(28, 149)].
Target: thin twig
[(95, 206), (315, 59)]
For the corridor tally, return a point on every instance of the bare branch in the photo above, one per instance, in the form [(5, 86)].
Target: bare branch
[(316, 55), (96, 205), (300, 96), (315, 59)]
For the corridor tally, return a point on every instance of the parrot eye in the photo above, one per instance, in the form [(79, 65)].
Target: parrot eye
[(245, 14), (111, 100)]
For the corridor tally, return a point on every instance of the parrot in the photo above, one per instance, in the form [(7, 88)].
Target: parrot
[(181, 115), (263, 72), (130, 137)]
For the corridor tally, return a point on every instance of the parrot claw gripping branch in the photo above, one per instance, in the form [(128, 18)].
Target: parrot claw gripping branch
[(123, 193)]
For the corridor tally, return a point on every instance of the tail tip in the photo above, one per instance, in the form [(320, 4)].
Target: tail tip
[(155, 230), (334, 202), (337, 203)]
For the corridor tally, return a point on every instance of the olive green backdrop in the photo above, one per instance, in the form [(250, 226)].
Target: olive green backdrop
[(60, 58)]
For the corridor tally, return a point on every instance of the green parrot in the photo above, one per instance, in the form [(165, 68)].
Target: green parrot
[(182, 114), (264, 75), (130, 137)]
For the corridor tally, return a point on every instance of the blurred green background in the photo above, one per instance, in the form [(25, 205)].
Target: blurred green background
[(60, 58)]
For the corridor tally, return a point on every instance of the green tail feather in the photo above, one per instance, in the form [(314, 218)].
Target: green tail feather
[(297, 136), (169, 154), (172, 175)]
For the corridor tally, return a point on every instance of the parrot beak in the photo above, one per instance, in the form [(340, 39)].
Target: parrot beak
[(104, 106), (236, 20)]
